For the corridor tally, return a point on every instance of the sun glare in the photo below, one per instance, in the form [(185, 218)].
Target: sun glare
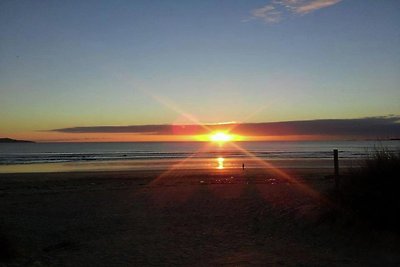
[(220, 137)]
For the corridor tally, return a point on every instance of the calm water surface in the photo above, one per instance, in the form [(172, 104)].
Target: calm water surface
[(26, 157)]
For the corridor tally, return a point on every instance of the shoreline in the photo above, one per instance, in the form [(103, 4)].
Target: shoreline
[(165, 164)]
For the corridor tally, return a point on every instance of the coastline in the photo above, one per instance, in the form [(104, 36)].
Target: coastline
[(165, 164)]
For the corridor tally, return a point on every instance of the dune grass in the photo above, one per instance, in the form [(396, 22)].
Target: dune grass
[(372, 191)]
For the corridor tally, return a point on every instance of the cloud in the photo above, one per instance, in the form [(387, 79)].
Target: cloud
[(267, 13), (310, 6), (276, 10), (373, 127)]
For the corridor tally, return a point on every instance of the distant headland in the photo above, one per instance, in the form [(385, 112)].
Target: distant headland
[(9, 140)]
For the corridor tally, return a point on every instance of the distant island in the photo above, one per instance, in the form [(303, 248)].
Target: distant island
[(9, 140)]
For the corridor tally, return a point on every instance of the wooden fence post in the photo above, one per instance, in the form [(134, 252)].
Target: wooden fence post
[(336, 165)]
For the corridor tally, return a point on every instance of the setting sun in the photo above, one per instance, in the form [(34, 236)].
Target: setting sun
[(220, 137)]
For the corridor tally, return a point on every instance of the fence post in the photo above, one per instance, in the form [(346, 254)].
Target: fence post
[(336, 165)]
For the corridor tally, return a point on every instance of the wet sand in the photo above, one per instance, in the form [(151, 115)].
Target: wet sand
[(195, 164), (182, 218)]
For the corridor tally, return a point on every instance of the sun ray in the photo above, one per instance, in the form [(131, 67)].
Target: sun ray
[(220, 137), (178, 165), (281, 174), (168, 103)]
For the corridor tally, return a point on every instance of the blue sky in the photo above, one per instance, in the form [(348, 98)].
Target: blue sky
[(87, 63)]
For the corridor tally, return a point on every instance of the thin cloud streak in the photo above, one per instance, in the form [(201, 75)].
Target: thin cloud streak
[(373, 127), (267, 13), (314, 5), (277, 10)]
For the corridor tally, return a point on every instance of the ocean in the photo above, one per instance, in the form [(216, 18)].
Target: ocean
[(26, 157)]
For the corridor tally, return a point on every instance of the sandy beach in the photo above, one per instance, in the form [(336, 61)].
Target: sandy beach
[(182, 218)]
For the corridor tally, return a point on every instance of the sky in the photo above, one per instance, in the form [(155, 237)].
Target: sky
[(68, 64)]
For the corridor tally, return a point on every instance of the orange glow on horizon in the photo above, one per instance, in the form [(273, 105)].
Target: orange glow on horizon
[(219, 137), (126, 137)]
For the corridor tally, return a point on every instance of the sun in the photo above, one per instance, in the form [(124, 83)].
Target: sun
[(221, 137)]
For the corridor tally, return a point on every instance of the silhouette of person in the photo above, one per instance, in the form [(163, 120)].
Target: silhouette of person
[(242, 166)]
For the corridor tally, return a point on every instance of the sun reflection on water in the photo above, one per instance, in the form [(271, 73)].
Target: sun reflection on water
[(220, 161)]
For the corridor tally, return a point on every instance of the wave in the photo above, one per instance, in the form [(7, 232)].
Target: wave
[(87, 152), (31, 158)]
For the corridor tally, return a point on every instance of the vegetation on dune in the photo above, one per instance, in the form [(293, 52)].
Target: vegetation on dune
[(372, 190)]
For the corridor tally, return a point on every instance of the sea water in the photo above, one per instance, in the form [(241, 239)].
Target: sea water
[(25, 157)]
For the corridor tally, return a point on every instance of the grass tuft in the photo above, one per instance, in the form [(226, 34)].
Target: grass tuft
[(372, 190)]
